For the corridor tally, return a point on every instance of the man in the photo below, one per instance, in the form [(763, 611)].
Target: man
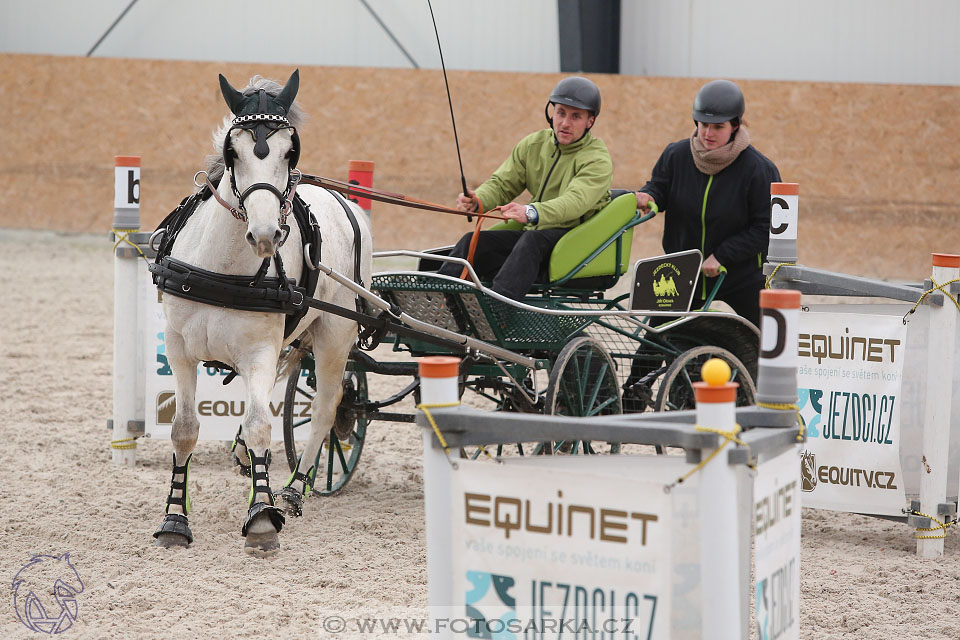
[(567, 172)]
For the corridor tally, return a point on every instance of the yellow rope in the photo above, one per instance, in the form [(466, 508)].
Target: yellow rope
[(433, 423), (936, 287), (728, 436), (940, 526), (122, 237), (783, 406), (116, 444), (773, 273)]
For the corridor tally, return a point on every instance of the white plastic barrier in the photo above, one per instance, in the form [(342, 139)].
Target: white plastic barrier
[(632, 546), (876, 388)]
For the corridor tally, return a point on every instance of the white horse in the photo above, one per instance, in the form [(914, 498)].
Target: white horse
[(256, 150)]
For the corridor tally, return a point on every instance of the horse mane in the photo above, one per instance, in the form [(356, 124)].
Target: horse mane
[(296, 116)]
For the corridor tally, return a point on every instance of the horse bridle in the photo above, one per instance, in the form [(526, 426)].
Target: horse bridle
[(262, 126)]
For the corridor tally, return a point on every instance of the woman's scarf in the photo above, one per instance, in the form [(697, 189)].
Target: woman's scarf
[(713, 161)]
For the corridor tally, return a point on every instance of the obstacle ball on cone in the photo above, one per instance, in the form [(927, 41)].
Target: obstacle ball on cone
[(715, 372)]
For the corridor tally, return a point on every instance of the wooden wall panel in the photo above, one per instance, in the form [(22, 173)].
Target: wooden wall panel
[(877, 167)]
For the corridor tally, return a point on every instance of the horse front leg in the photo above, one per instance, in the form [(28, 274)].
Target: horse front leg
[(323, 410), (174, 530), (264, 521)]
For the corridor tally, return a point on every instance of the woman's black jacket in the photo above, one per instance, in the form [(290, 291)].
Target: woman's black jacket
[(726, 215)]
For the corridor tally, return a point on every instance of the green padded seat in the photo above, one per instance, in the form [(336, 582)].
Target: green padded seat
[(581, 241)]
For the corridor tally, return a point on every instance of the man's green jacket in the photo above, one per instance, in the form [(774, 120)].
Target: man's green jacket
[(567, 183)]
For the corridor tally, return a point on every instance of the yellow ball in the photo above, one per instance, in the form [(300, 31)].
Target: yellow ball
[(715, 372)]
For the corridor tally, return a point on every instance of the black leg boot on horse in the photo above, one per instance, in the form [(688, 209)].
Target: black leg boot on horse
[(240, 457), (264, 520), (291, 496), (173, 530)]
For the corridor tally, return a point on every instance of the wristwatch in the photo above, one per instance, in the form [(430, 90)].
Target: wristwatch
[(532, 215)]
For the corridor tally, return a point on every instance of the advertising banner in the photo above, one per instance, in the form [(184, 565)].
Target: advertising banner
[(219, 407), (547, 553), (776, 509), (849, 382)]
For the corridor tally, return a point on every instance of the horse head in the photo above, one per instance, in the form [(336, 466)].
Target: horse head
[(260, 152)]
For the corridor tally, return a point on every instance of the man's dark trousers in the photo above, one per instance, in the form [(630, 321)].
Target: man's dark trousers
[(512, 258)]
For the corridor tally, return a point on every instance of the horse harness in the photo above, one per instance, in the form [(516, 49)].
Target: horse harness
[(263, 115), (279, 294)]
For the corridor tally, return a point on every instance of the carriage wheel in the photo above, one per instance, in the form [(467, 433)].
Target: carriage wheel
[(336, 463), (583, 382), (676, 388)]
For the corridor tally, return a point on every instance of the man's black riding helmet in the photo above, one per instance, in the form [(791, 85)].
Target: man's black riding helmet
[(577, 92), (717, 102)]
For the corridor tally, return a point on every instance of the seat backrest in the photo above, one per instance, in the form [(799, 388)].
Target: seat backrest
[(581, 241)]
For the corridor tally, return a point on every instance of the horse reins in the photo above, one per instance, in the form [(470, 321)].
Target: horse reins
[(388, 197)]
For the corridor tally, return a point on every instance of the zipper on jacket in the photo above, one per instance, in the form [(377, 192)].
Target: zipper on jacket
[(703, 234), (549, 173)]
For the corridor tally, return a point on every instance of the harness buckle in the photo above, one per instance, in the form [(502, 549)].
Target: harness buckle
[(307, 248), (299, 304)]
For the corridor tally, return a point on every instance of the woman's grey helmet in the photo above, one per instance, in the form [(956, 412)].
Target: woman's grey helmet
[(577, 92), (717, 102)]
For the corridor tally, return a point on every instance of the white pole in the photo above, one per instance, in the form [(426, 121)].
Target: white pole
[(126, 218), (941, 338), (719, 545), (438, 386), (779, 345), (784, 215)]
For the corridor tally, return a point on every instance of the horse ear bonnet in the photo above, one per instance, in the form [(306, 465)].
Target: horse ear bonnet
[(261, 103)]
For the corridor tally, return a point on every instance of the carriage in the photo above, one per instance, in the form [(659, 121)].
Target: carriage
[(572, 347), (249, 298)]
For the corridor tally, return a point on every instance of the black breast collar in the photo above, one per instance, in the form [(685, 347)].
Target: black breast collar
[(248, 293)]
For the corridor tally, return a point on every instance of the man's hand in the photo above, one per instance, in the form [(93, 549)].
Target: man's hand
[(643, 200), (515, 211), (711, 267), (468, 203)]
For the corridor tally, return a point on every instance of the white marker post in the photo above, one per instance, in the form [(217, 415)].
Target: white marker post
[(126, 219), (941, 339), (784, 214), (719, 546), (779, 348), (438, 386)]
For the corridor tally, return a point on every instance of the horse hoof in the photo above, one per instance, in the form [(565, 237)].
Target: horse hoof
[(173, 532), (261, 545), (171, 540), (292, 502)]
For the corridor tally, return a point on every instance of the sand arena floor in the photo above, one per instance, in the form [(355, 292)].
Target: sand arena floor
[(361, 551)]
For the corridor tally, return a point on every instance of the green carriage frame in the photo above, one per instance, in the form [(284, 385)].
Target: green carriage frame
[(599, 357)]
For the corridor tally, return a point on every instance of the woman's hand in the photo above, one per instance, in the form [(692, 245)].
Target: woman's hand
[(711, 267), (643, 200)]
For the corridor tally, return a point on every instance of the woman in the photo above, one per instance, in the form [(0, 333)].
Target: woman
[(714, 190)]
